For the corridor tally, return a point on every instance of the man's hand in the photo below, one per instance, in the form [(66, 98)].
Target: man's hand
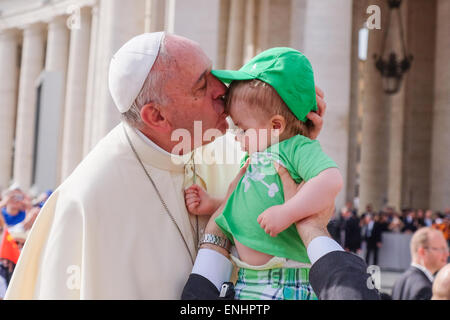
[(315, 225), (317, 117)]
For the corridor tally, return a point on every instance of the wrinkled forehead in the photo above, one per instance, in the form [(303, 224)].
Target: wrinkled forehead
[(188, 56)]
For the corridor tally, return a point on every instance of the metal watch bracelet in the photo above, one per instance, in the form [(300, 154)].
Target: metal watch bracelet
[(216, 240)]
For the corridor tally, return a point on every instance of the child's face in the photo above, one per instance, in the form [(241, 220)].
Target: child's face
[(255, 133)]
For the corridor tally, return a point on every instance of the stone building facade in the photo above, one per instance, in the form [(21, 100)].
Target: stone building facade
[(392, 150)]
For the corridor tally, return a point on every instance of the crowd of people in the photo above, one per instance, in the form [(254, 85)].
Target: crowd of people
[(19, 211), (351, 229)]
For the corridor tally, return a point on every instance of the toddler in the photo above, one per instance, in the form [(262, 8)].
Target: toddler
[(268, 100)]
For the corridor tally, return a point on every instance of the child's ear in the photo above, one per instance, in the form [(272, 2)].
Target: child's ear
[(278, 124)]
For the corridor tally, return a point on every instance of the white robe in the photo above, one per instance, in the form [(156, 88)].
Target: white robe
[(104, 234)]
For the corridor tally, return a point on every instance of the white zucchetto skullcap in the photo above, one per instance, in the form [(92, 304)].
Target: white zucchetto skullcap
[(130, 66)]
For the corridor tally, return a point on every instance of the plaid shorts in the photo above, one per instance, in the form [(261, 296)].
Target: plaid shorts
[(274, 284)]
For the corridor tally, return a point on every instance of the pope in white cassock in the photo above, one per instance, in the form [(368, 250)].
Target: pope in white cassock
[(117, 227)]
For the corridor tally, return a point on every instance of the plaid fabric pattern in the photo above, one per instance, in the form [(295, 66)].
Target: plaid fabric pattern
[(274, 284)]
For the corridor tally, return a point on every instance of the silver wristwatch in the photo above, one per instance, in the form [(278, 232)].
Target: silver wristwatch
[(216, 240)]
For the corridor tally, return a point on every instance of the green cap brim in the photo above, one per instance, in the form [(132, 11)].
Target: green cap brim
[(227, 76)]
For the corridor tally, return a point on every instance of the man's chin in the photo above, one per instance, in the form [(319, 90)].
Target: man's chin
[(222, 126)]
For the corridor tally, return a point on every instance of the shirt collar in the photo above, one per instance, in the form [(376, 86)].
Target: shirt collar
[(424, 270), (185, 158), (151, 143), (153, 155)]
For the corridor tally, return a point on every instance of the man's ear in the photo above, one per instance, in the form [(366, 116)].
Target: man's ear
[(278, 123), (152, 116), (421, 251)]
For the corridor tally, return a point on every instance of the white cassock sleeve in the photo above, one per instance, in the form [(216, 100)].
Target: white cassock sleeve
[(321, 246)]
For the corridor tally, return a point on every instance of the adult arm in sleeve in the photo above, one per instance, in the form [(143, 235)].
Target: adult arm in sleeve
[(341, 275)]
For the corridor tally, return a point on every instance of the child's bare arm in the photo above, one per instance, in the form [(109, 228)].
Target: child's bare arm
[(316, 195), (199, 202)]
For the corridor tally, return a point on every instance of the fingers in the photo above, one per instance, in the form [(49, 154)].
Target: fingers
[(244, 167), (265, 226), (280, 169), (238, 177), (193, 189), (321, 106), (192, 208), (289, 185), (192, 202), (259, 219), (191, 196), (319, 92), (316, 119), (317, 122), (192, 199)]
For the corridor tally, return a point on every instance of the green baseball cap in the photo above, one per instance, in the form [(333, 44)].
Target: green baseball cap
[(287, 70)]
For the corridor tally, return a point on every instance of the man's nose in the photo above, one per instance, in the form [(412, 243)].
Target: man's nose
[(219, 88)]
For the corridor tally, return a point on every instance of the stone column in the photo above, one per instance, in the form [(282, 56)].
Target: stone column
[(375, 128), (9, 61), (358, 20), (250, 30), (72, 152), (92, 85), (222, 37), (298, 16), (155, 15), (199, 25), (396, 104), (57, 45), (327, 44), (119, 22), (56, 61), (440, 169), (419, 94), (31, 66), (235, 41), (274, 24)]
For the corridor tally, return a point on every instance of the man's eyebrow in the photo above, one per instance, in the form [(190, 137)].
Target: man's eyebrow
[(200, 78)]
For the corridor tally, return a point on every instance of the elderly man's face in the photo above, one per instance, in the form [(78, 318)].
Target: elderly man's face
[(195, 94)]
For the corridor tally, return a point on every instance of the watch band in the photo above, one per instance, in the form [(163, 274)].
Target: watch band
[(216, 240)]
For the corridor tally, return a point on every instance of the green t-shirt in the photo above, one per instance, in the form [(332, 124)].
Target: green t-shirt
[(261, 188)]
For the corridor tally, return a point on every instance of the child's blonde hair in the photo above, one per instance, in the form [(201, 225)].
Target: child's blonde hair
[(258, 94)]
